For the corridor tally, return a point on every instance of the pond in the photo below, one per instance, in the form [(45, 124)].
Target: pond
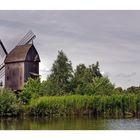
[(69, 123)]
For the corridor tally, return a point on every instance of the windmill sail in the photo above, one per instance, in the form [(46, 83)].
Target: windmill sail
[(28, 38), (3, 51), (3, 54), (2, 72)]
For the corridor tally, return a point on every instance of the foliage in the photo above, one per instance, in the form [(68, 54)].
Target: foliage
[(133, 89), (118, 105), (98, 86), (8, 103), (61, 75), (62, 81), (51, 88), (90, 81), (84, 91), (85, 74), (102, 86), (30, 90)]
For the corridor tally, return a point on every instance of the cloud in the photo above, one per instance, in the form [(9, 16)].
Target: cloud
[(125, 75), (110, 37)]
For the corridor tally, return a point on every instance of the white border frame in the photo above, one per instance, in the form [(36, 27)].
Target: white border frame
[(69, 5)]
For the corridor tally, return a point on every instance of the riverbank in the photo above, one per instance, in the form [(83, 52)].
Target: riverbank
[(119, 105)]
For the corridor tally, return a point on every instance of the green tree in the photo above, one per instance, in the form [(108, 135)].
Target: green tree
[(102, 86), (98, 86), (95, 70), (61, 75), (83, 77), (51, 88), (133, 89)]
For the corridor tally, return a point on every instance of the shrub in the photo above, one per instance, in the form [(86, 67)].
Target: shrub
[(8, 103), (34, 89), (30, 90), (51, 88)]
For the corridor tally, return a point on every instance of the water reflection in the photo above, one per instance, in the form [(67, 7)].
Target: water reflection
[(68, 123)]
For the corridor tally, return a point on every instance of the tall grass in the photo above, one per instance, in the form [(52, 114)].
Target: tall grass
[(119, 105)]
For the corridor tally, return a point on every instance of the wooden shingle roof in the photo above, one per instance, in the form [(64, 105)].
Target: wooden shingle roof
[(19, 53)]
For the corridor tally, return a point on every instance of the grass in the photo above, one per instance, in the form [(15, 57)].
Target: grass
[(119, 105), (114, 105)]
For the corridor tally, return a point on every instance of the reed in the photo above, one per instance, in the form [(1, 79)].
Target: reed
[(118, 105)]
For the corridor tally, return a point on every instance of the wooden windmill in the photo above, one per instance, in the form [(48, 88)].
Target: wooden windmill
[(20, 63)]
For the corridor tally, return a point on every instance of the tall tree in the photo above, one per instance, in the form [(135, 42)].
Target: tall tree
[(62, 72), (84, 75), (94, 69)]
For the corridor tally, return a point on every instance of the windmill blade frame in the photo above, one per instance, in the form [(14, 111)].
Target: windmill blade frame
[(3, 51), (27, 38)]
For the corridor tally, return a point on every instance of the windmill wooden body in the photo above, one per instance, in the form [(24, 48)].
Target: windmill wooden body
[(21, 63)]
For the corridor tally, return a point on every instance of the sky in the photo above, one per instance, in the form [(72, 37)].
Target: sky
[(110, 37)]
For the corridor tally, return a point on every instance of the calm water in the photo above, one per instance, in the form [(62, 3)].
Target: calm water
[(69, 123)]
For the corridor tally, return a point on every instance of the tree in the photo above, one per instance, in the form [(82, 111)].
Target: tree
[(83, 76), (94, 69), (133, 89), (102, 86), (98, 86), (61, 74), (51, 88)]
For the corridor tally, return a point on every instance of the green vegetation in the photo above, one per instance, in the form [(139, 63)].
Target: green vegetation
[(118, 105), (66, 91), (59, 81), (30, 90), (63, 80), (98, 86), (8, 103)]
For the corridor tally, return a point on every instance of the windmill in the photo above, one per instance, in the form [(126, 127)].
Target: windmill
[(27, 39)]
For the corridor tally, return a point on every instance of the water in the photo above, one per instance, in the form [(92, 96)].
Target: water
[(69, 123)]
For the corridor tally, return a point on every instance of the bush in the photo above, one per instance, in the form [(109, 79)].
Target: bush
[(30, 90), (50, 88), (8, 103), (34, 89)]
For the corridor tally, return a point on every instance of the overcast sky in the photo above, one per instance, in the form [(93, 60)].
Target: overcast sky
[(110, 37)]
